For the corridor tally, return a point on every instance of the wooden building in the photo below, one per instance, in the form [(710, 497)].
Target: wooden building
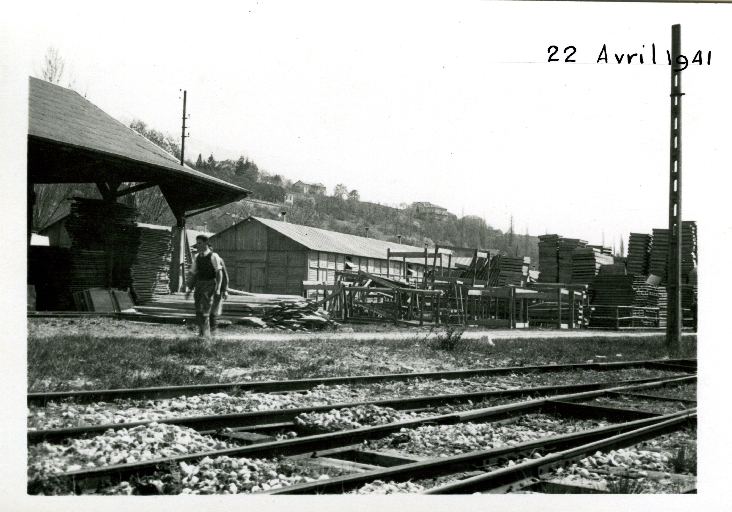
[(272, 256)]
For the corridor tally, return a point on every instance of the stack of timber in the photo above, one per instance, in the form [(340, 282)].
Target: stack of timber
[(290, 312), (565, 251), (649, 296), (150, 272), (638, 298), (87, 269), (689, 253), (639, 254), (659, 254), (614, 290), (549, 258), (508, 270), (95, 227), (586, 262)]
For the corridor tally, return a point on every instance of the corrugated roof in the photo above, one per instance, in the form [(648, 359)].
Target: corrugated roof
[(61, 115), (323, 240)]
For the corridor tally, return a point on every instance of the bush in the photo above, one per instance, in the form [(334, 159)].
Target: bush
[(449, 338)]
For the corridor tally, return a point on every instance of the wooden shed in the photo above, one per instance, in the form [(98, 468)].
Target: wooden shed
[(271, 256)]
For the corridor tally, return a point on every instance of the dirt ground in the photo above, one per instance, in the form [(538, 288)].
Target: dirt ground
[(113, 328)]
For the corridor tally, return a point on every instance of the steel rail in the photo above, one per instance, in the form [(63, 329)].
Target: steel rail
[(255, 418), (469, 461), (336, 439), (536, 468), (106, 395)]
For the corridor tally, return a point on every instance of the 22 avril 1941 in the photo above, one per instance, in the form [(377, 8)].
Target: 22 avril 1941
[(631, 58)]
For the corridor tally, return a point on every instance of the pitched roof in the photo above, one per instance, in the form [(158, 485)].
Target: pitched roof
[(66, 131), (317, 239)]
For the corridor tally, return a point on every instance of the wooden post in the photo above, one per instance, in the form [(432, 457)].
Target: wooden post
[(388, 262), (512, 308), (617, 318), (571, 309), (434, 264), (177, 265), (475, 261), (559, 309)]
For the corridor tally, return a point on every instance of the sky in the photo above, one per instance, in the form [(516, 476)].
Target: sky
[(454, 104)]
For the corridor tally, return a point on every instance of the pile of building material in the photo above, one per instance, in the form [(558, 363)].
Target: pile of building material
[(94, 227), (150, 271), (634, 299), (639, 253), (659, 254), (101, 300), (549, 258), (263, 310), (565, 252), (689, 252), (507, 270), (586, 263)]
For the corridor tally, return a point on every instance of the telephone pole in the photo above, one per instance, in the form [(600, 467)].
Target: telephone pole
[(674, 315), (183, 132)]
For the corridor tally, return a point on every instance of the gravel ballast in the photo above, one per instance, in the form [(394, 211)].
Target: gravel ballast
[(68, 414)]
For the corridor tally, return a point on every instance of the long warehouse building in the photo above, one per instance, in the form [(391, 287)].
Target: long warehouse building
[(273, 256)]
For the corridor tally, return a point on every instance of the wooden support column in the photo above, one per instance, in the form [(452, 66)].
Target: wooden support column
[(570, 325), (559, 308), (109, 196), (512, 309), (388, 261), (177, 265)]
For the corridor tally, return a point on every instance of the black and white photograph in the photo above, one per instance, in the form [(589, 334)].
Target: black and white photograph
[(365, 252)]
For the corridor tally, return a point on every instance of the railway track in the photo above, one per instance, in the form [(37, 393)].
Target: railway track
[(555, 451), (277, 419), (40, 399)]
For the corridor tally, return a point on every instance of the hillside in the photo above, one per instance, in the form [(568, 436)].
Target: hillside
[(342, 211)]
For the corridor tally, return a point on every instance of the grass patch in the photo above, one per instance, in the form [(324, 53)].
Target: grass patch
[(625, 485), (86, 360), (684, 460)]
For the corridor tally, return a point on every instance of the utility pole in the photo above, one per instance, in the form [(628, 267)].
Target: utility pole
[(674, 315), (183, 132)]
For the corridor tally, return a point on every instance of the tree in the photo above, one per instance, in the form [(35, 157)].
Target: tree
[(246, 169), (199, 162), (211, 163), (353, 196), (50, 201), (53, 66), (340, 191), (622, 247)]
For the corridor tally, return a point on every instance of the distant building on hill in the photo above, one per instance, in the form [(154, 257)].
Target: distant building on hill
[(308, 188), (425, 210)]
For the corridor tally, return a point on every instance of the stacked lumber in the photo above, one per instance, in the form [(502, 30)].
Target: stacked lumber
[(614, 290), (508, 270), (659, 254), (150, 271), (689, 253), (586, 263), (87, 269), (639, 253), (565, 251), (94, 226), (263, 310), (549, 258)]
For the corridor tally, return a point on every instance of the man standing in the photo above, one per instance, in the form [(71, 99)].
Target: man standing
[(206, 277)]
